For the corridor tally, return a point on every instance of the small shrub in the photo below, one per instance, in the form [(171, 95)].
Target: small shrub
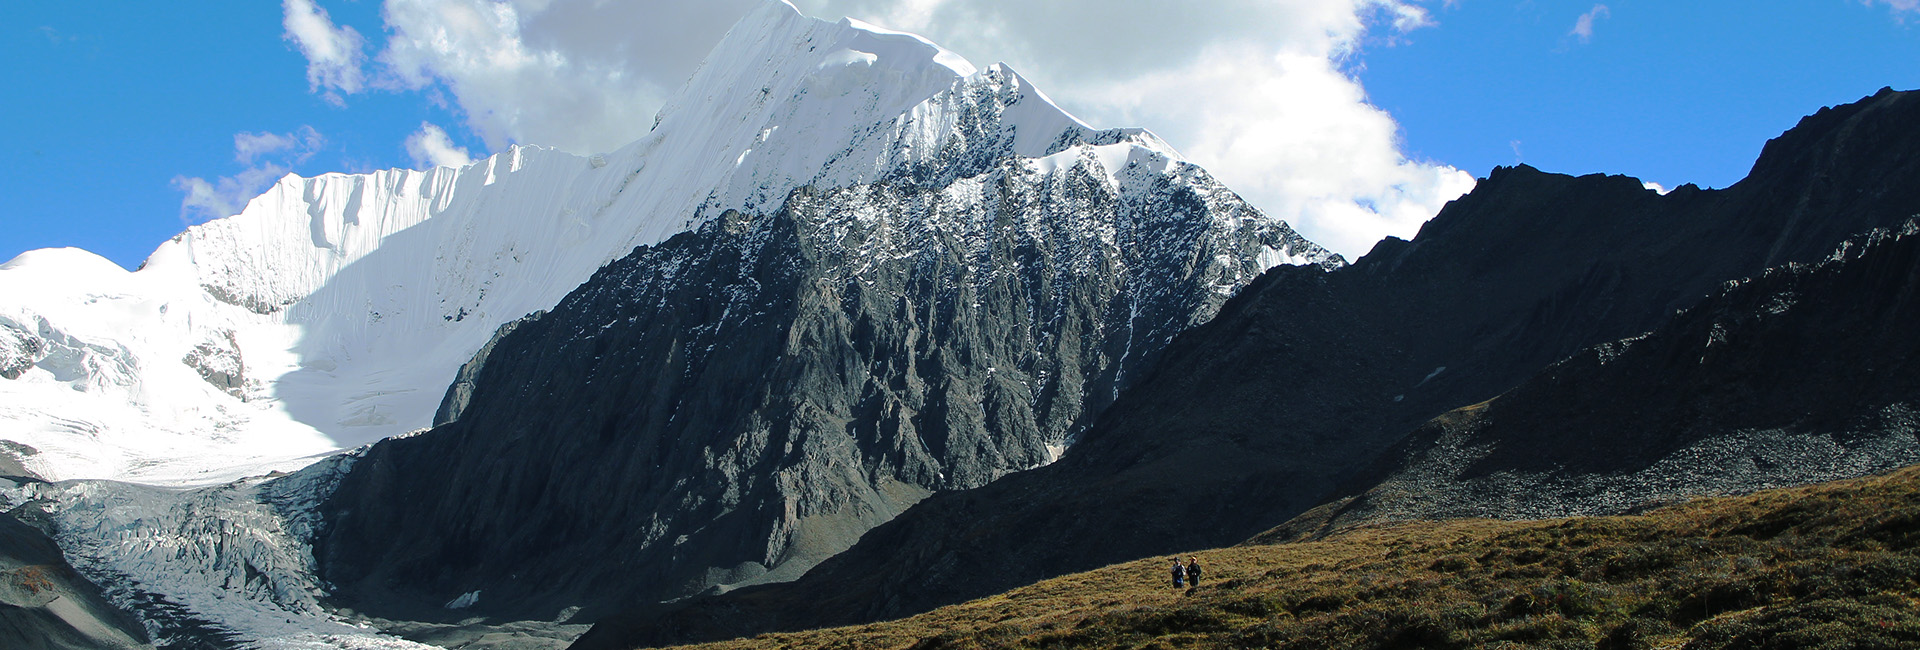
[(1634, 634), (1540, 628), (1255, 606), (1321, 601), (1452, 564)]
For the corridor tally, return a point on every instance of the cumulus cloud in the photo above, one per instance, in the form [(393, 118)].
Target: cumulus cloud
[(582, 75), (334, 53), (1583, 28), (430, 147), (1293, 134), (268, 156)]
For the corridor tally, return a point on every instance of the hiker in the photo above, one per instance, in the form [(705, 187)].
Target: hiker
[(1179, 574), (1193, 571)]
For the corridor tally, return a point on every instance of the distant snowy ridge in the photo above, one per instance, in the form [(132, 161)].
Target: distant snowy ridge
[(335, 310)]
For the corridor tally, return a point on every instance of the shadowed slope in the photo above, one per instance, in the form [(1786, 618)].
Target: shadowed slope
[(1800, 374)]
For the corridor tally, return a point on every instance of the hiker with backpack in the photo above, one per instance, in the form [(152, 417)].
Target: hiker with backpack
[(1179, 574), (1193, 570)]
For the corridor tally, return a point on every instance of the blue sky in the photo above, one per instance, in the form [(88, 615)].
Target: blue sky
[(1672, 92), (116, 107)]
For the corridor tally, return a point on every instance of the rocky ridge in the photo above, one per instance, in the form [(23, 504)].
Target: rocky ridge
[(1305, 377), (748, 398), (1804, 373)]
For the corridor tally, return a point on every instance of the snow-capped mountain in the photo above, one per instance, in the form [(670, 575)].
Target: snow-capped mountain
[(1457, 374), (333, 311), (953, 293), (1003, 245)]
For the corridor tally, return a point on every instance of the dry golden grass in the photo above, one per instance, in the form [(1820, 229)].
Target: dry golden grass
[(1828, 566)]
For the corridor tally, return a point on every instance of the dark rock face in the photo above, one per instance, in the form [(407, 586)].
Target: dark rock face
[(19, 350), (46, 605), (1798, 375), (460, 392), (739, 402), (218, 361), (1305, 378)]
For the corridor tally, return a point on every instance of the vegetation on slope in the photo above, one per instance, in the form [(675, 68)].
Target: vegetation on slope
[(1826, 566)]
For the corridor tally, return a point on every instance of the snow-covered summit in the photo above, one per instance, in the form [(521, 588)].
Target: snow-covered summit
[(334, 310)]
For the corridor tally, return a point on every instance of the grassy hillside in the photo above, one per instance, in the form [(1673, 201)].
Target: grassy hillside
[(1827, 566)]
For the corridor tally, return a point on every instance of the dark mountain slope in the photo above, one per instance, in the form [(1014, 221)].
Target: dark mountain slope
[(739, 402), (1305, 377), (1801, 374)]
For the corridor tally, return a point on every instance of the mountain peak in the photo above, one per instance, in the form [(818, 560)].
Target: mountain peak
[(1855, 134), (388, 281)]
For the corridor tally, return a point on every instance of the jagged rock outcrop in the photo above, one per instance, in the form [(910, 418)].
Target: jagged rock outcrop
[(19, 350), (1306, 377), (218, 360), (460, 392), (739, 402)]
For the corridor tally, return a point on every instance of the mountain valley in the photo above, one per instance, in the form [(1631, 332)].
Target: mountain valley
[(865, 346)]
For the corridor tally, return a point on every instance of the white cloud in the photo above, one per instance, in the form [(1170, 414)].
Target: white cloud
[(334, 53), (1583, 28), (430, 147), (1295, 136), (55, 36), (224, 196), (303, 142), (582, 75), (248, 145), (1898, 6), (268, 157), (1656, 187)]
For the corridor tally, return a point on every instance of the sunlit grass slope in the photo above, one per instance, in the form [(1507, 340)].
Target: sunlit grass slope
[(1826, 566)]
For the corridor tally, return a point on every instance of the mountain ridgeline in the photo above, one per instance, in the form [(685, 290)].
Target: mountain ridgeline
[(1290, 396), (741, 401)]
